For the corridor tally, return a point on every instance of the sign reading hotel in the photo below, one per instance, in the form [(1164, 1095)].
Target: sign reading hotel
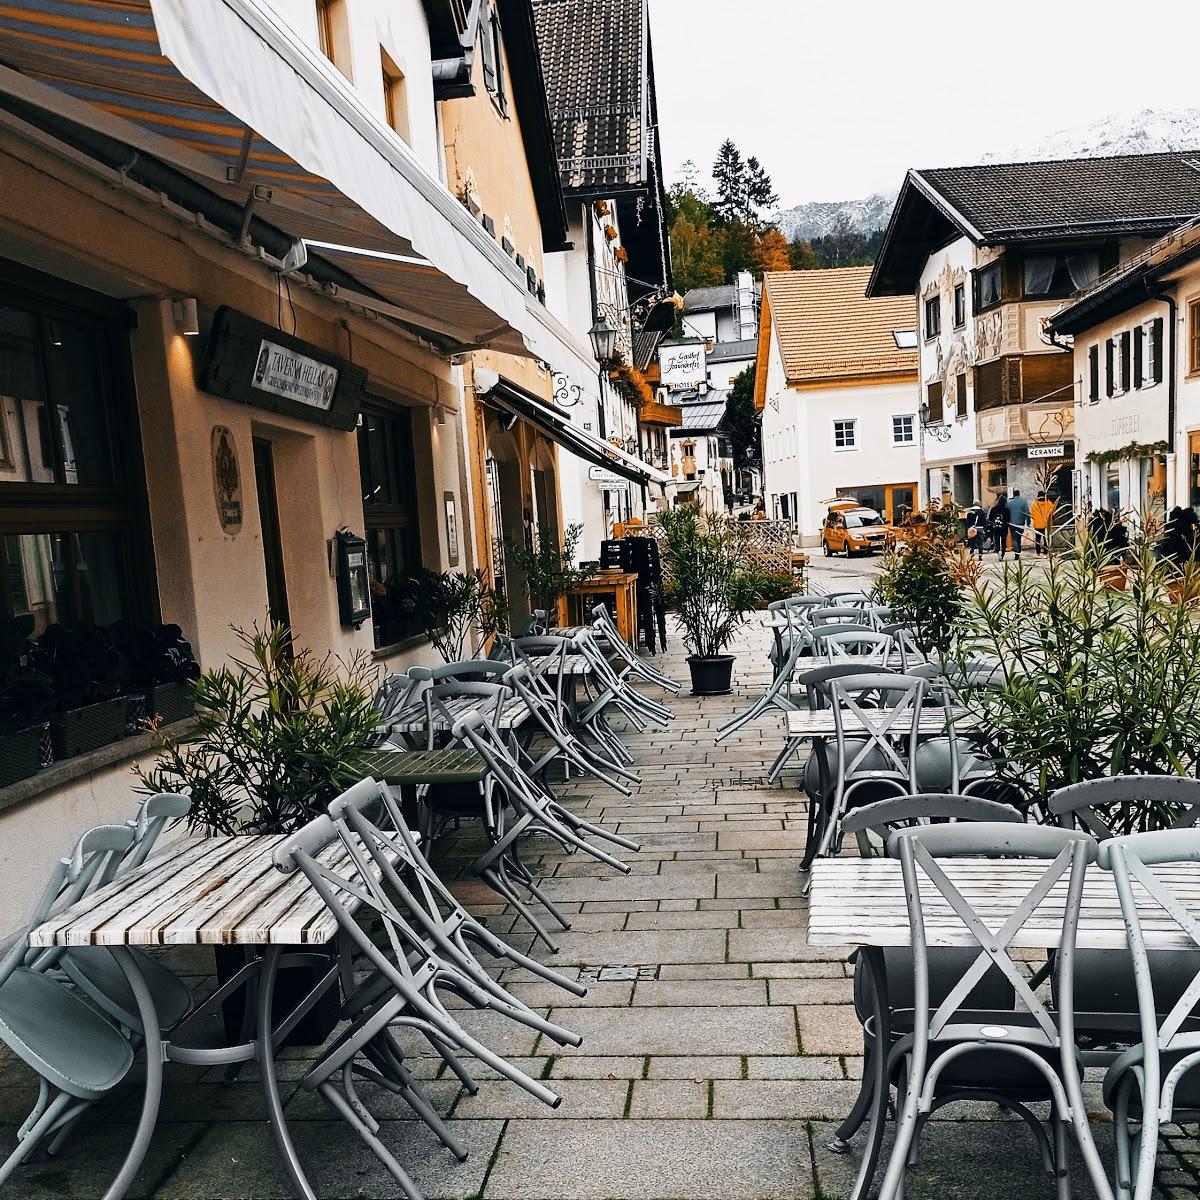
[(294, 376), (683, 366)]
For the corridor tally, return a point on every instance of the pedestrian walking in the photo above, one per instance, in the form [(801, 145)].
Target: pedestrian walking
[(1042, 516), (975, 529), (998, 524), (1018, 519)]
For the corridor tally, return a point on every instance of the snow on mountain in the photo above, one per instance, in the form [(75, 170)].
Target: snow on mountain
[(1152, 130), (818, 217)]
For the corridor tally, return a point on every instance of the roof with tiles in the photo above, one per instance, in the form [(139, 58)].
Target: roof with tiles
[(1076, 195), (592, 57), (828, 329)]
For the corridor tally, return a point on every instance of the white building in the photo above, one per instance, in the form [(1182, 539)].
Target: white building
[(1137, 381), (837, 397), (989, 253)]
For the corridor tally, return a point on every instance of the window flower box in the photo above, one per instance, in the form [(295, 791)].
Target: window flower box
[(24, 752)]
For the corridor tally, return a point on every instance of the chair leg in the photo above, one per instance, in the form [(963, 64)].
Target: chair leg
[(1122, 1138), (342, 1107), (1062, 1164), (33, 1135), (839, 1144)]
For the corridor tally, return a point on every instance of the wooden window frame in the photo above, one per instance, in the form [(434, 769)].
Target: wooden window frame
[(395, 97), (960, 305), (1193, 308), (977, 276), (932, 317), (120, 507)]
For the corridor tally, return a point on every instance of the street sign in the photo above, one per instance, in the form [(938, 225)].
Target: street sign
[(606, 477), (1056, 451)]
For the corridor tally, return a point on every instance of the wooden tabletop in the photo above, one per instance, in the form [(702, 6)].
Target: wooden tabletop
[(860, 902), (424, 766), (415, 719), (569, 664), (201, 891), (603, 581), (805, 723)]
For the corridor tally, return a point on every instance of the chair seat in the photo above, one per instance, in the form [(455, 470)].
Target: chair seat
[(60, 1036), (990, 1068), (97, 974), (1187, 1094)]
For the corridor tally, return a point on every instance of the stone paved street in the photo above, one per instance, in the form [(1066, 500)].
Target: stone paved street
[(719, 1049)]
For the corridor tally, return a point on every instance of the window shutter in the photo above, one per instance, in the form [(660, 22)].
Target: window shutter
[(1156, 336), (935, 404), (1108, 366), (1139, 337), (1125, 340), (488, 38), (961, 394), (498, 51), (1094, 373)]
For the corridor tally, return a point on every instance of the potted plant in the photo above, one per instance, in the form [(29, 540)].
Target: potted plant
[(26, 702), (161, 666), (712, 586), (88, 675), (548, 568), (456, 611), (278, 734)]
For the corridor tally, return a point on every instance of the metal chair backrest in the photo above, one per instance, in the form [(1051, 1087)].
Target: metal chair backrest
[(440, 699), (920, 851), (155, 813), (880, 615), (837, 614), (1170, 801), (394, 694), (475, 670), (867, 736), (1133, 859), (853, 599), (855, 643), (884, 817), (904, 634), (815, 679)]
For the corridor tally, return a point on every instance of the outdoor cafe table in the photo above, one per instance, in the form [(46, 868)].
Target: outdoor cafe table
[(860, 902), (224, 891)]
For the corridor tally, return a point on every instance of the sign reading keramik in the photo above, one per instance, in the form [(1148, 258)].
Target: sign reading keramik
[(256, 364)]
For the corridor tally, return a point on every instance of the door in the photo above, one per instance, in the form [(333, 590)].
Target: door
[(268, 515)]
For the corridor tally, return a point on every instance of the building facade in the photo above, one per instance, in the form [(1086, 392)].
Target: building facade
[(1136, 342), (988, 254), (836, 393)]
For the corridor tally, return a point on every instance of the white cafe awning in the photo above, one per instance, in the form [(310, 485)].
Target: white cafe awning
[(561, 429), (225, 91)]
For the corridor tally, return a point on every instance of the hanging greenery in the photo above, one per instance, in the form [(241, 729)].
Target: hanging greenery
[(1125, 453)]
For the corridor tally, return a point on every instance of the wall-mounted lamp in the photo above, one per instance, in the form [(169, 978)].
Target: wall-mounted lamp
[(439, 414), (938, 430), (187, 316), (604, 339)]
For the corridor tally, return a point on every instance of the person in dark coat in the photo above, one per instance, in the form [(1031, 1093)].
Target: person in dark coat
[(998, 524), (975, 529)]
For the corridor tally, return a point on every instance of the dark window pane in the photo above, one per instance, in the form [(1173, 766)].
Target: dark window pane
[(65, 578), (26, 449), (76, 387)]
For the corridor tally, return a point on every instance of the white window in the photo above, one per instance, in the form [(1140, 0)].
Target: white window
[(843, 434), (903, 431), (906, 339)]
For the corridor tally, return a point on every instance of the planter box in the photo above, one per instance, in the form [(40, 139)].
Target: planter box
[(169, 702), (79, 730), (24, 752)]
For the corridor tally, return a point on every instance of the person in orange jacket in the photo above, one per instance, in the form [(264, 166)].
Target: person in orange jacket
[(1041, 517)]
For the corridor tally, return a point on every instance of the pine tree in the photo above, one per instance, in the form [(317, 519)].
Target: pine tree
[(742, 422), (729, 176), (760, 193)]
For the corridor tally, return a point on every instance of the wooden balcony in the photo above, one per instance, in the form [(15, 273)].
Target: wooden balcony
[(666, 415)]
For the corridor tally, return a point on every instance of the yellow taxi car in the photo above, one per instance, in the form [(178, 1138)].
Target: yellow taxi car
[(850, 528)]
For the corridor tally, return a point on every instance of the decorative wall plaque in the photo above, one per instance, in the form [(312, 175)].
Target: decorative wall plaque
[(227, 479)]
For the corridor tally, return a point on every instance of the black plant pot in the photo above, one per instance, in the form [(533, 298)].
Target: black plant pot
[(711, 676), (292, 984)]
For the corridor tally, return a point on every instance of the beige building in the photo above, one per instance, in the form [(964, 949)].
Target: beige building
[(232, 330)]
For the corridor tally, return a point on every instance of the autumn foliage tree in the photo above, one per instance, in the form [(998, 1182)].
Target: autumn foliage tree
[(771, 252)]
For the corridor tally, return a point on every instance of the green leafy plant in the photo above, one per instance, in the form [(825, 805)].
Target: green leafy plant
[(277, 735), (920, 579), (548, 567), (455, 610), (711, 583), (1094, 680)]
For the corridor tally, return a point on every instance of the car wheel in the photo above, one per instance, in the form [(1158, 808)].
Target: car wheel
[(825, 548)]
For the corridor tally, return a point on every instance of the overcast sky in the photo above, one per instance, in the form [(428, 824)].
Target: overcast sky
[(838, 98)]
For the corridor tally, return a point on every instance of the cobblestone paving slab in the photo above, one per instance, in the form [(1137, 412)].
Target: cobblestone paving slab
[(719, 1048)]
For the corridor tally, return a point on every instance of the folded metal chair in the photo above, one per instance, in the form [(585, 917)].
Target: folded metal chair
[(529, 808), (78, 1055), (408, 998), (841, 642), (605, 627), (1154, 1082), (607, 688), (1011, 1058)]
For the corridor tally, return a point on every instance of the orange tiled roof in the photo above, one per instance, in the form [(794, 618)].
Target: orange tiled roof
[(828, 329)]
